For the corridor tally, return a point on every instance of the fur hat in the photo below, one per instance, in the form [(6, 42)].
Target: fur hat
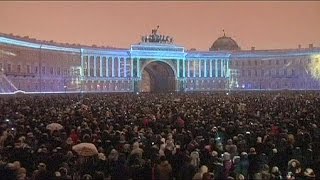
[(309, 173)]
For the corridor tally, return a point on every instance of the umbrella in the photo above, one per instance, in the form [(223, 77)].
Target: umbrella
[(54, 126), (85, 149)]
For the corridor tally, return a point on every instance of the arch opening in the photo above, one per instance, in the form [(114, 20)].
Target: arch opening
[(158, 76)]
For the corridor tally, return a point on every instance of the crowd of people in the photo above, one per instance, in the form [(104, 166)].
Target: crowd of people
[(174, 136)]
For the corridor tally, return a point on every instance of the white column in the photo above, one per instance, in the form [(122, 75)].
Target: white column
[(119, 62), (210, 67), (184, 67), (216, 67), (222, 67), (194, 68), (112, 67), (82, 66), (101, 75), (178, 70), (138, 67), (125, 67), (205, 68), (94, 66), (107, 67), (89, 66), (228, 70), (199, 63), (188, 68), (131, 67)]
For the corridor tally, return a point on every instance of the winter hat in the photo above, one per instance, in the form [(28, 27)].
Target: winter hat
[(309, 173), (101, 156), (226, 156)]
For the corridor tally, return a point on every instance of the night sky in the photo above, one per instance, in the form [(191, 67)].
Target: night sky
[(265, 25)]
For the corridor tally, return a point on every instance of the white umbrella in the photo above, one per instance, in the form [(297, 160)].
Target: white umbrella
[(54, 126), (85, 149)]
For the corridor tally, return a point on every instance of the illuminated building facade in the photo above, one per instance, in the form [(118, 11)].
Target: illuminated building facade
[(155, 64)]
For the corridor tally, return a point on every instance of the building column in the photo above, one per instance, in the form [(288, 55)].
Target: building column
[(88, 70), (125, 67), (199, 63), (94, 66), (194, 68), (138, 68), (101, 75), (210, 67), (178, 70), (82, 67), (112, 67), (188, 68), (107, 67), (216, 67), (119, 62), (221, 69), (227, 67), (205, 68), (131, 67), (184, 67)]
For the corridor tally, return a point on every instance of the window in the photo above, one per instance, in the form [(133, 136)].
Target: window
[(269, 62), (9, 68), (249, 73), (0, 66), (28, 69), (262, 72), (256, 73), (249, 63), (277, 62), (58, 71), (18, 68), (36, 69), (51, 70), (43, 70), (284, 61), (256, 62)]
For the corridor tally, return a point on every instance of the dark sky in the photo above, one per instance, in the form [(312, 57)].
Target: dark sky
[(265, 25)]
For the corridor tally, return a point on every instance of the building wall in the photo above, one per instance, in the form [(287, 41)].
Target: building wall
[(36, 70), (44, 70), (291, 72)]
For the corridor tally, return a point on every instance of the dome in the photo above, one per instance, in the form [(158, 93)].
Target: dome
[(224, 43)]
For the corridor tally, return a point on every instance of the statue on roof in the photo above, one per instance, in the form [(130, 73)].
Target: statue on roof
[(154, 31), (157, 38)]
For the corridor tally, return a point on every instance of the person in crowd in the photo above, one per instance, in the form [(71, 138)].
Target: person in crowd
[(242, 135)]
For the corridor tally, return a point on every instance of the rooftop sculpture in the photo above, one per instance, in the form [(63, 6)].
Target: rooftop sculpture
[(157, 38)]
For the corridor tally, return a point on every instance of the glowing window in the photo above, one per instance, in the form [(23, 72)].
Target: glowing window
[(18, 68), (43, 70), (9, 68), (28, 68)]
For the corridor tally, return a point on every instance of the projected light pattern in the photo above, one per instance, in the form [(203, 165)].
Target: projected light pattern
[(38, 67), (314, 66)]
